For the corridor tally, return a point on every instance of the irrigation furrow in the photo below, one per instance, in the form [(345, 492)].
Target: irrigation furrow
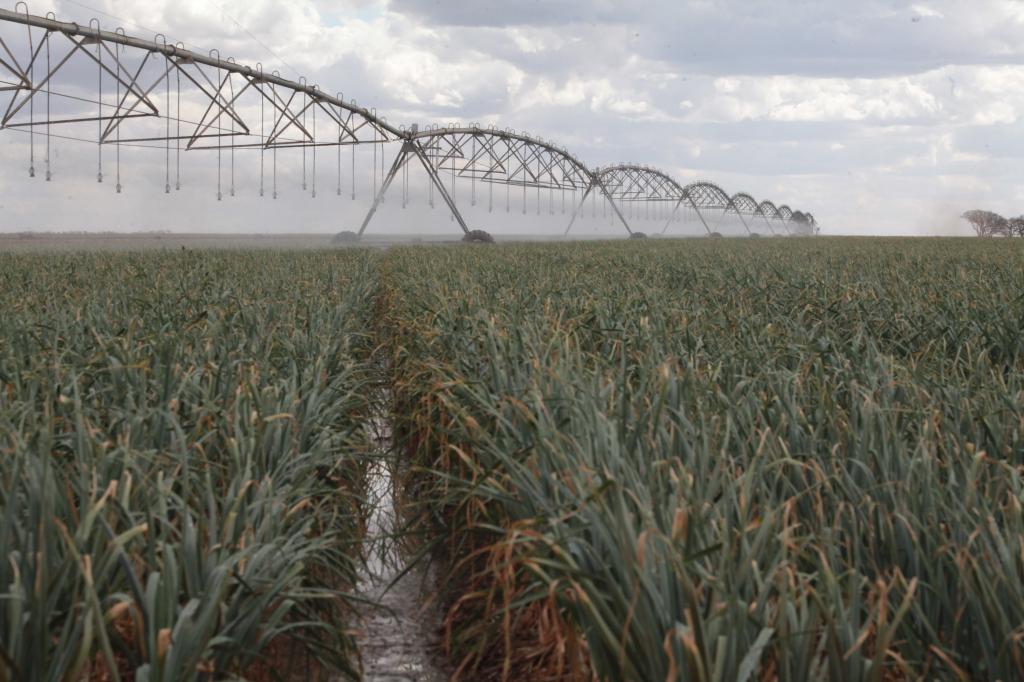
[(398, 632)]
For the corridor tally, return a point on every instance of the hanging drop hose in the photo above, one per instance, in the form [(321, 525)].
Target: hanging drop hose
[(263, 127), (314, 144), (538, 186), (99, 99), (353, 165), (177, 134), (167, 152), (49, 175), (302, 81), (339, 144), (405, 178), (117, 128), (273, 153), (31, 99), (374, 111), (231, 90)]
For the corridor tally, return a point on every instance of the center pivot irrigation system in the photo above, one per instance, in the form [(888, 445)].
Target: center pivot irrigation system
[(106, 88)]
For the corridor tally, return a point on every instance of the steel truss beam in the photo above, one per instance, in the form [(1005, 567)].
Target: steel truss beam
[(229, 106)]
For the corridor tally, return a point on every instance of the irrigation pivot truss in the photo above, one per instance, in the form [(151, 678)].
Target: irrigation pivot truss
[(112, 90)]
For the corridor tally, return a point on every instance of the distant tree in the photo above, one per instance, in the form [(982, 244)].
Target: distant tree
[(987, 223), (1015, 226)]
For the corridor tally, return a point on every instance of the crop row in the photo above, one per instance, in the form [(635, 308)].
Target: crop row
[(719, 460), (179, 463)]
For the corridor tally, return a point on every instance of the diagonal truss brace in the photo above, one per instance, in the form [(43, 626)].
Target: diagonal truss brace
[(411, 148), (596, 183), (696, 208)]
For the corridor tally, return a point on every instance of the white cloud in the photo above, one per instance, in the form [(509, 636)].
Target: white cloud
[(752, 102)]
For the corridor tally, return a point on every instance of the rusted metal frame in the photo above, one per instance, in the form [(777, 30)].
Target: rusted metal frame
[(224, 106)]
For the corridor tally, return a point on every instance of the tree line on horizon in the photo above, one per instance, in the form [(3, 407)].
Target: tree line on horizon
[(989, 224)]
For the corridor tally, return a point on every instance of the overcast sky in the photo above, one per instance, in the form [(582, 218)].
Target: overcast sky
[(879, 116)]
